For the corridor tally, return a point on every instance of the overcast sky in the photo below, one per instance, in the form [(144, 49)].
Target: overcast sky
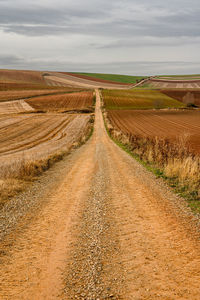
[(111, 36)]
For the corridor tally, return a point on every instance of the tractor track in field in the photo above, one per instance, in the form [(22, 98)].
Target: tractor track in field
[(99, 226)]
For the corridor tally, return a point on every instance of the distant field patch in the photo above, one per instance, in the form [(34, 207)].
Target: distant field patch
[(22, 76), (138, 99), (72, 101), (112, 78), (180, 77), (175, 83)]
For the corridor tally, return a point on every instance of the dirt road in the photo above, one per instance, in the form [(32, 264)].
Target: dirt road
[(102, 228)]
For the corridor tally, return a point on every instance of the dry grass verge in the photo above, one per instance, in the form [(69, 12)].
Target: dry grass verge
[(168, 159)]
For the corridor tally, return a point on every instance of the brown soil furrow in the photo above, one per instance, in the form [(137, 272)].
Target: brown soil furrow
[(170, 124)]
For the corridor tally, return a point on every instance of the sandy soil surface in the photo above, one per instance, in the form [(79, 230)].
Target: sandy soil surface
[(99, 226)]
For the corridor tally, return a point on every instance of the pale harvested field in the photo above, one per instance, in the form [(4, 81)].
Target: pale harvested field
[(32, 137), (171, 124), (17, 106)]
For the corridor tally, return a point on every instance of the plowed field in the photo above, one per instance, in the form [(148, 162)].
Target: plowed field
[(136, 99), (168, 124), (33, 137), (71, 101)]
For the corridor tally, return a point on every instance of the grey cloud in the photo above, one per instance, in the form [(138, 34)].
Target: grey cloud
[(102, 20), (40, 30), (147, 42), (10, 60)]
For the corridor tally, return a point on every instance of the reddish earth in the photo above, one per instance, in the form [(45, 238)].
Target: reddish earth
[(170, 124), (95, 79), (186, 96)]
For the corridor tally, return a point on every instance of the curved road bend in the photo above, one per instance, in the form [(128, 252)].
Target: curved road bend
[(109, 230)]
